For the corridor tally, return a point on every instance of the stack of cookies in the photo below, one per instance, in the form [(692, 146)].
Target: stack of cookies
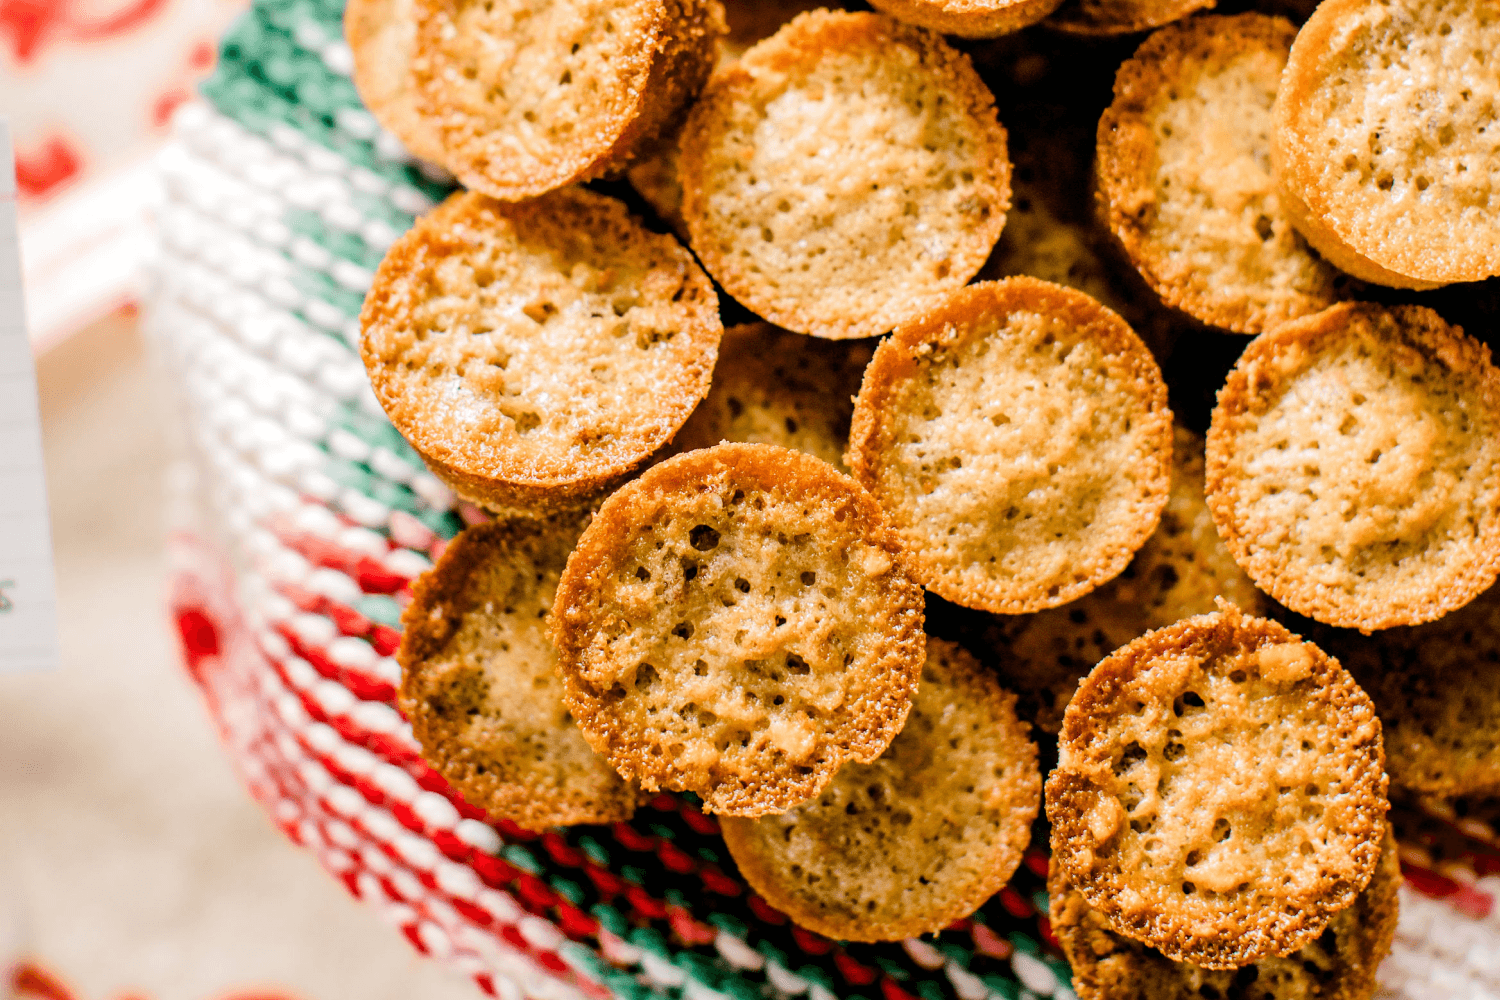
[(835, 587)]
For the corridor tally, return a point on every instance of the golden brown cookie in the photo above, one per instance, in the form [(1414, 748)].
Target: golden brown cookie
[(842, 172), (775, 387), (1339, 965), (1436, 688), (1018, 437), (968, 18), (534, 354), (1384, 139), (1184, 175), (1120, 17), (1354, 466), (1176, 574), (533, 95), (738, 622), (917, 839), (479, 680), (382, 35), (1220, 791)]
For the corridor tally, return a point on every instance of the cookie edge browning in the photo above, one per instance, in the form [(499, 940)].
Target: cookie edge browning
[(421, 639), (894, 362), (1099, 28), (1173, 936), (1378, 906), (798, 41), (505, 487), (1257, 373), (363, 25), (951, 18), (762, 870), (770, 468), (1126, 149)]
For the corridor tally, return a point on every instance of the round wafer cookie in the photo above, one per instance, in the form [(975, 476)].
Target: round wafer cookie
[(1120, 17), (1354, 465), (842, 172), (969, 18), (1339, 965), (739, 622), (533, 95), (536, 353), (917, 839), (382, 35), (1018, 437), (479, 680), (1184, 175), (1385, 143), (1220, 791)]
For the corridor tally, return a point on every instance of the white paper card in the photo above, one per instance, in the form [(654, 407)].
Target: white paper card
[(28, 601)]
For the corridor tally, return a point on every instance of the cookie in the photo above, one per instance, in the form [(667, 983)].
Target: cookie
[(1184, 176), (920, 838), (739, 622), (382, 35), (1018, 437), (533, 95), (1119, 17), (842, 172), (1436, 688), (775, 387), (1354, 466), (1385, 142), (479, 681), (1220, 791), (969, 18), (534, 354), (1339, 965), (1176, 574)]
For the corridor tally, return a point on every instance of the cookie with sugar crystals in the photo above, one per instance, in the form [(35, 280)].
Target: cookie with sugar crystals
[(1184, 175), (775, 387), (1384, 141), (533, 95), (842, 172), (1339, 965), (917, 839), (1175, 575), (1018, 437), (1220, 791), (382, 36), (969, 18), (534, 354), (1120, 17), (1354, 465), (479, 680), (739, 622)]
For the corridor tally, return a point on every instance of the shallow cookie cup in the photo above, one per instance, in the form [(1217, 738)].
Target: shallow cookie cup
[(535, 354), (843, 171), (1220, 790), (969, 18), (479, 681), (919, 838), (1354, 466), (382, 36), (1018, 437), (1119, 17), (739, 622)]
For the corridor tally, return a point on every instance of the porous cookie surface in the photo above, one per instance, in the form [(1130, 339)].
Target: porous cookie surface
[(739, 622), (1018, 437), (534, 353), (775, 387), (531, 95), (1219, 793), (1184, 175), (1436, 688), (843, 171), (1120, 17), (1354, 467), (382, 35), (1385, 132), (1339, 965), (479, 680), (1182, 567), (917, 839), (969, 18)]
